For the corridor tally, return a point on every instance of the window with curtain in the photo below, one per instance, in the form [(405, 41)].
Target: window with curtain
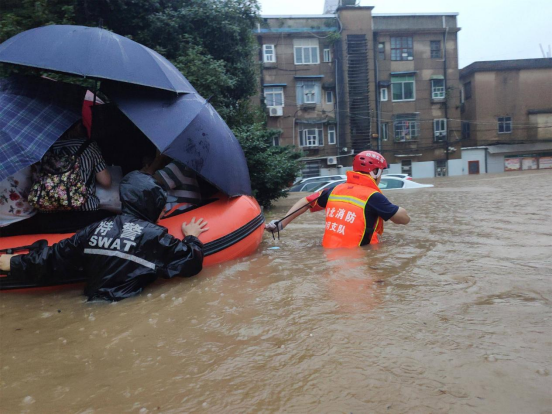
[(440, 129), (308, 91), (306, 51), (274, 96), (269, 53), (311, 135)]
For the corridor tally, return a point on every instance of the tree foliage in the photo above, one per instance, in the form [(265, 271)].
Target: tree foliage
[(209, 41), (271, 168)]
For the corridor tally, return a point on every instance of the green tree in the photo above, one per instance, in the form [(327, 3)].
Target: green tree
[(210, 41), (271, 168)]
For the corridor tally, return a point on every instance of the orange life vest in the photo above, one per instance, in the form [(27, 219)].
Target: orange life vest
[(345, 220)]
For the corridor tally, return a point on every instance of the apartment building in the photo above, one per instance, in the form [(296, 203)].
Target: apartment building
[(417, 110), (507, 115), (348, 80)]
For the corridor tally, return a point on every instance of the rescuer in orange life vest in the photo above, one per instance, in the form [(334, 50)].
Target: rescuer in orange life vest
[(355, 210)]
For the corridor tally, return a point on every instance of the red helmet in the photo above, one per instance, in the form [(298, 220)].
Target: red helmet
[(368, 161)]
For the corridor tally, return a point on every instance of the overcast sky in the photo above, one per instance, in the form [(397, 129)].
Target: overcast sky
[(491, 29)]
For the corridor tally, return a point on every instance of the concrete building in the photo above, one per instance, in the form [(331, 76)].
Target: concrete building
[(346, 81), (506, 115), (417, 80)]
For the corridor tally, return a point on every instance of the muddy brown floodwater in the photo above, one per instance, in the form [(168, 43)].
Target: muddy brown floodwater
[(451, 314)]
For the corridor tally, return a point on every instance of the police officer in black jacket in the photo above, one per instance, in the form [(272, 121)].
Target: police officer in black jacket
[(120, 255)]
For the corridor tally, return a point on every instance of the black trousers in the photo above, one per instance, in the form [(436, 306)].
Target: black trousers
[(60, 222)]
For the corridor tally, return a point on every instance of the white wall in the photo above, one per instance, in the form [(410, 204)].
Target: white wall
[(394, 169), (474, 154), (423, 169), (455, 167), (335, 171)]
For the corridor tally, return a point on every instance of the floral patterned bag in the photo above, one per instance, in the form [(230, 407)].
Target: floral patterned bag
[(60, 185)]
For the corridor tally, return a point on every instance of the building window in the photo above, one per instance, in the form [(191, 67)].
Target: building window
[(406, 167), (274, 96), (306, 51), (439, 129), (407, 127), (331, 134), (276, 141), (466, 134), (269, 53), (435, 49), (403, 88), (381, 50), (329, 97), (437, 89), (311, 136), (467, 90), (308, 92), (327, 55), (504, 124), (385, 131), (384, 95), (401, 48)]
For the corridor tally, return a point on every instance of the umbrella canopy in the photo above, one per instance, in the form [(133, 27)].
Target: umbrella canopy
[(188, 129), (34, 113), (93, 53)]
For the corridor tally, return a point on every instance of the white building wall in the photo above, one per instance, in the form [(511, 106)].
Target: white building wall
[(394, 169), (455, 167), (423, 169), (473, 154)]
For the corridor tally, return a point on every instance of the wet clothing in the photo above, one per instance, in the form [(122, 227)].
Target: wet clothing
[(91, 162), (119, 255), (181, 186), (364, 197)]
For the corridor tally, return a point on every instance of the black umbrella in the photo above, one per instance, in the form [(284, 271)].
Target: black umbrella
[(187, 128), (95, 53)]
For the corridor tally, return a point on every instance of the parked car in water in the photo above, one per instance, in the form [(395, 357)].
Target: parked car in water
[(320, 178), (386, 183), (308, 186), (401, 176), (395, 183)]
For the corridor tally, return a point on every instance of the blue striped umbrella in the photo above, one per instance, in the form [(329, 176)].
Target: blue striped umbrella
[(34, 113)]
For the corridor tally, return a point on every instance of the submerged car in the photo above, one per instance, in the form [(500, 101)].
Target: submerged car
[(312, 183), (395, 183), (401, 176), (320, 178), (386, 183)]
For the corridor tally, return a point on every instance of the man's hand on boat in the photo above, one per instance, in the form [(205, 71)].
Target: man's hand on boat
[(5, 262), (194, 228)]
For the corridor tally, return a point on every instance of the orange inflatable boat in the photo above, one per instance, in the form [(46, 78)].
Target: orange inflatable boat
[(235, 230)]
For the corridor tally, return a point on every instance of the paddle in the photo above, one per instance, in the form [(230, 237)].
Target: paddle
[(291, 214)]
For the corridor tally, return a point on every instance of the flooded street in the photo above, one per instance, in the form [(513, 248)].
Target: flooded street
[(450, 314)]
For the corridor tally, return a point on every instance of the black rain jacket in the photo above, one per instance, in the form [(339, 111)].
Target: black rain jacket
[(119, 255)]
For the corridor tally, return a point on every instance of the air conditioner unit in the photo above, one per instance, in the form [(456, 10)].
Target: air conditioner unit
[(332, 160), (276, 111)]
